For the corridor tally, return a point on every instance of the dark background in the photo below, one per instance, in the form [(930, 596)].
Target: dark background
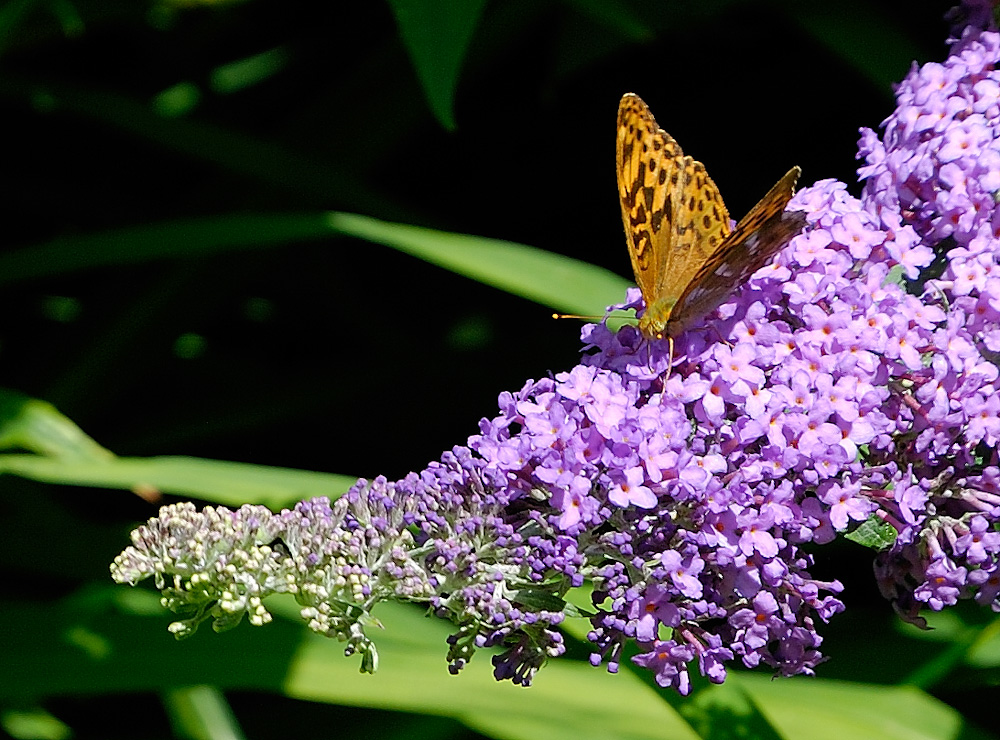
[(340, 355), (345, 356)]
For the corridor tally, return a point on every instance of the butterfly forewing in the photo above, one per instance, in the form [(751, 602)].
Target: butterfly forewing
[(686, 258), (674, 216)]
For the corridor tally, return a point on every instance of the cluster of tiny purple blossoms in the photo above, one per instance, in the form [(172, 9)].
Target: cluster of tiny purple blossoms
[(937, 168), (823, 397), (444, 537)]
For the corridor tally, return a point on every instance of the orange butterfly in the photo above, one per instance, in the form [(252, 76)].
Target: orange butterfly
[(686, 257)]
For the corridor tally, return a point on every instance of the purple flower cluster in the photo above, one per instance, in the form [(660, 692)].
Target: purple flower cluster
[(977, 15), (776, 427), (823, 398), (938, 165), (443, 537), (938, 170)]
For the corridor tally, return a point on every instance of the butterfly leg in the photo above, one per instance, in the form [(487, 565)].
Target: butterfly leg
[(721, 337), (670, 358)]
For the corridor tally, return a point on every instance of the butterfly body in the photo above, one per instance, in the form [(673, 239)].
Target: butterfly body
[(686, 256)]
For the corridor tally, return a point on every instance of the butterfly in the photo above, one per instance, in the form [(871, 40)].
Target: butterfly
[(686, 257)]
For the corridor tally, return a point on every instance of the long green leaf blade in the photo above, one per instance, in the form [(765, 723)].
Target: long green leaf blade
[(561, 283), (227, 483)]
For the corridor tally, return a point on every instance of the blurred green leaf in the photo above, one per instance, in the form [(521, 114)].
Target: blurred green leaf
[(724, 711), (964, 642), (189, 346), (617, 15), (29, 424), (63, 309), (862, 35), (569, 699), (814, 709), (34, 725), (177, 100), (228, 483), (202, 713), (559, 282), (985, 651), (66, 13), (12, 15), (942, 627), (234, 149), (437, 35), (244, 73), (171, 240)]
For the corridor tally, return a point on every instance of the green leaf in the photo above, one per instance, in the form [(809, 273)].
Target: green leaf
[(963, 643), (569, 699), (177, 100), (249, 71), (559, 282), (895, 276), (555, 281), (34, 425), (862, 35), (36, 724), (170, 240), (202, 713), (437, 35), (985, 650), (617, 15), (813, 709), (726, 711), (228, 483), (12, 15), (874, 533), (536, 599)]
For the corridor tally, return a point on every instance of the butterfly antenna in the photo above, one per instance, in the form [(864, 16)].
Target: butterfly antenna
[(576, 316)]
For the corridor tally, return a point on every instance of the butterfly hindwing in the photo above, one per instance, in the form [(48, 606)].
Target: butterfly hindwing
[(771, 205)]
